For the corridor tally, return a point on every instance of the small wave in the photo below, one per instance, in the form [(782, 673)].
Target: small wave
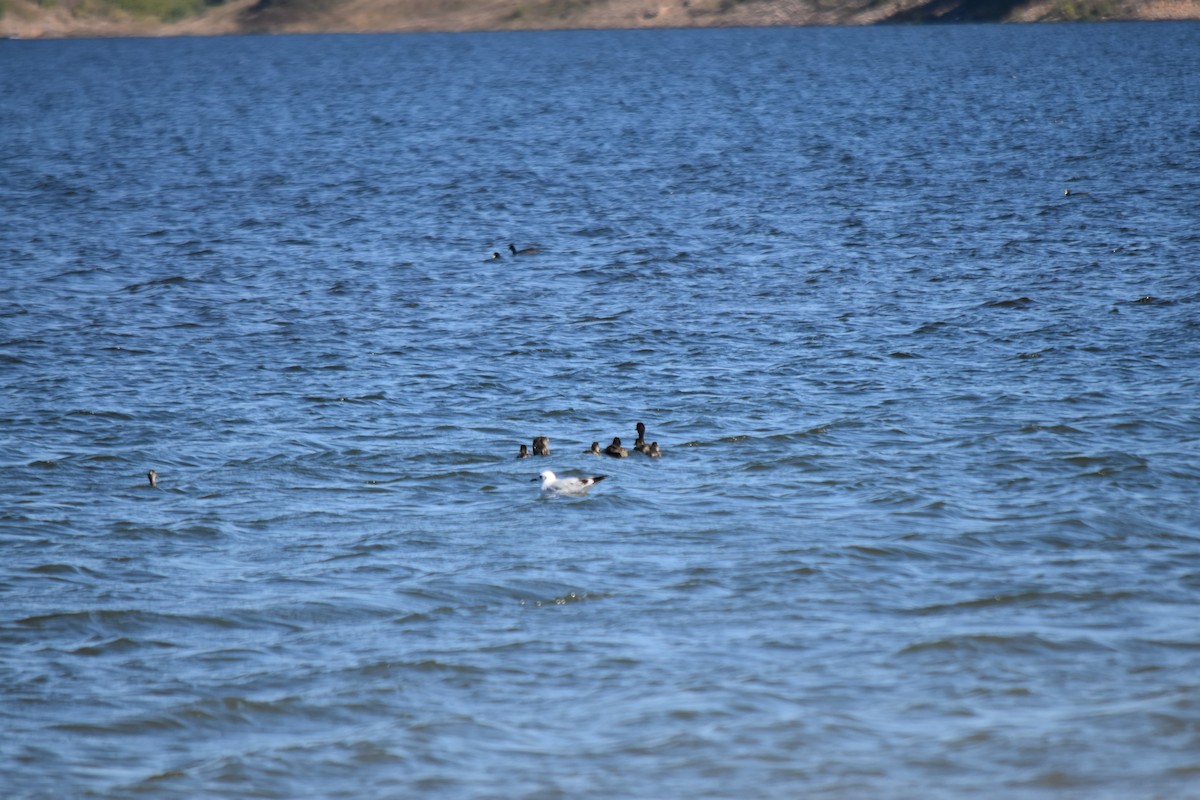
[(565, 599), (119, 645), (1106, 464), (1021, 599), (534, 594), (133, 351), (930, 327), (1027, 644), (59, 569), (391, 668), (1018, 302), (114, 415), (174, 280), (116, 622), (1057, 428), (892, 553)]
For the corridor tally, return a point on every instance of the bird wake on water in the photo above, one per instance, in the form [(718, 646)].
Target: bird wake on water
[(553, 485)]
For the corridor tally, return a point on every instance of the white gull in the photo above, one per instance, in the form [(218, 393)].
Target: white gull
[(575, 486)]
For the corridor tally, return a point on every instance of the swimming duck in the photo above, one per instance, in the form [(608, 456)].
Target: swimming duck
[(615, 450), (528, 251), (495, 257), (640, 443), (595, 451), (524, 451), (153, 477), (652, 450), (541, 445)]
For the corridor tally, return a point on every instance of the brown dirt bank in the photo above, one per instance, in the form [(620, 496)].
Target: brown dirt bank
[(92, 18)]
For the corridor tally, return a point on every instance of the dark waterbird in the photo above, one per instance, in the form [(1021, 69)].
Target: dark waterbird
[(615, 450), (640, 443), (541, 445), (524, 451), (595, 451), (153, 477), (528, 251)]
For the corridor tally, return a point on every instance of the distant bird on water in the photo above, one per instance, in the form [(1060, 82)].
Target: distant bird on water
[(541, 445), (153, 477), (524, 451), (595, 451), (495, 257), (652, 450), (528, 251), (615, 450), (553, 485)]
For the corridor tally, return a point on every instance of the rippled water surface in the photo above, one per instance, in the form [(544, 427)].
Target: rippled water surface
[(928, 519)]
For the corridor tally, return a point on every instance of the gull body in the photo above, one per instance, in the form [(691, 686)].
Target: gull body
[(554, 485)]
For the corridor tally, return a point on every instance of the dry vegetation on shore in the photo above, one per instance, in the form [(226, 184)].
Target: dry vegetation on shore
[(75, 18)]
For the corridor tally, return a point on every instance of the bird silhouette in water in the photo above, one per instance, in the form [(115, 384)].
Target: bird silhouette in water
[(524, 451), (615, 450), (652, 450), (153, 478), (528, 251), (541, 445), (595, 451)]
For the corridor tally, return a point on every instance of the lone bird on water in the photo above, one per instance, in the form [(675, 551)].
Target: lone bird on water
[(153, 477), (527, 251), (553, 485)]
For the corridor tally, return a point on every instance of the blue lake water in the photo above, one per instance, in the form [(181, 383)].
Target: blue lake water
[(928, 519)]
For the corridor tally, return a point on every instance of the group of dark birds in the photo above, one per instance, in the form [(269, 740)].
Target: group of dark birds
[(541, 447)]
